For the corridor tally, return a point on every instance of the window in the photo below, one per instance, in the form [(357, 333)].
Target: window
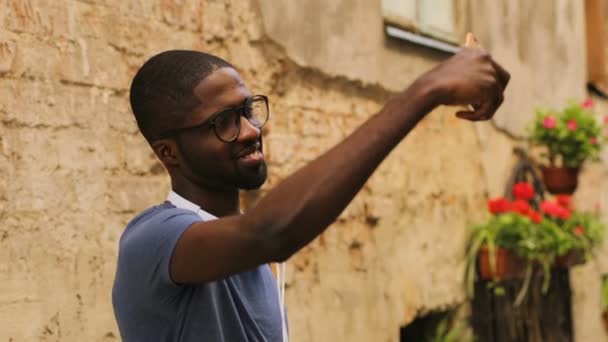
[(432, 23)]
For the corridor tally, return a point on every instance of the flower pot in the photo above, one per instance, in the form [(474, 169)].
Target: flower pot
[(508, 264), (572, 258), (560, 180)]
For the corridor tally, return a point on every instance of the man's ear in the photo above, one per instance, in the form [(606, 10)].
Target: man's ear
[(166, 150)]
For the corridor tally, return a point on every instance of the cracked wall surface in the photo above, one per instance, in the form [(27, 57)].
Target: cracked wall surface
[(74, 170)]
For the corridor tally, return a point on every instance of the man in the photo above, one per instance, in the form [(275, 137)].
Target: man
[(195, 268)]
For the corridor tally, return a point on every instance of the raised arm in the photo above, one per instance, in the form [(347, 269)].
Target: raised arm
[(307, 202)]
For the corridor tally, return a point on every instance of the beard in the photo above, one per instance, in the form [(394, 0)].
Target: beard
[(252, 178), (208, 173)]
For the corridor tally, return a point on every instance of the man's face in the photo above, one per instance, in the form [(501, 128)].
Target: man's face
[(210, 162)]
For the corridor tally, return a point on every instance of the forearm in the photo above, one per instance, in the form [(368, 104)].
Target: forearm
[(306, 203)]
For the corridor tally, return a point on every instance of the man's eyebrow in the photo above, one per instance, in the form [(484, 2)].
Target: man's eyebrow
[(236, 105)]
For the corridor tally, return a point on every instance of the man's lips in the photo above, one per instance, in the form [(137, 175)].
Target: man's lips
[(251, 149)]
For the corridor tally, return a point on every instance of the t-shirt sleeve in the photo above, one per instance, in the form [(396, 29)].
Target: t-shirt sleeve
[(148, 247)]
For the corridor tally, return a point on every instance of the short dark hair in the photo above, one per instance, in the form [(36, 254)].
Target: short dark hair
[(162, 90)]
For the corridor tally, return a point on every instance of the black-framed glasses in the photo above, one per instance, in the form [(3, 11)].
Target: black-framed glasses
[(227, 123)]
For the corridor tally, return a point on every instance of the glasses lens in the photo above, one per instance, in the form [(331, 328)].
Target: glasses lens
[(226, 125), (258, 112)]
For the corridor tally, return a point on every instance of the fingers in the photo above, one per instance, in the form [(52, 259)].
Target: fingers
[(467, 115), (479, 112), (501, 74), (487, 108), (492, 96)]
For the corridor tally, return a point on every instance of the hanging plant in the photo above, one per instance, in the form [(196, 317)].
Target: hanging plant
[(517, 232), (518, 237), (580, 231), (569, 138)]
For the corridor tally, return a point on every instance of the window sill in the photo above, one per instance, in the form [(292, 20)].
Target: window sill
[(398, 33)]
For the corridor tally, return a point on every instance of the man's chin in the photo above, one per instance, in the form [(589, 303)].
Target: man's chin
[(253, 180), (253, 185)]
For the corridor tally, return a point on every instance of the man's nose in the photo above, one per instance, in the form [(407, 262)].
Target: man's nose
[(248, 130)]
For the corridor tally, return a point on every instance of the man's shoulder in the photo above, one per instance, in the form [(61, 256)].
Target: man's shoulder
[(162, 217), (159, 213)]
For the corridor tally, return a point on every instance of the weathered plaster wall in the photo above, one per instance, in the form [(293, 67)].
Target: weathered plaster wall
[(542, 42), (74, 170)]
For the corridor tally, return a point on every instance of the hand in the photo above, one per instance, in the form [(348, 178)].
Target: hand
[(470, 77)]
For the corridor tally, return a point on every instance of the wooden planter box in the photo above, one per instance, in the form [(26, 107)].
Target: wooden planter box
[(508, 264)]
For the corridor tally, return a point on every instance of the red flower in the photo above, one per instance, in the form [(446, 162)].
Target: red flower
[(554, 210), (564, 201), (535, 216), (578, 231), (499, 205), (548, 207), (563, 213), (523, 191), (521, 207)]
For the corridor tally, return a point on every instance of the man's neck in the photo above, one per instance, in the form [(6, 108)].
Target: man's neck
[(217, 203)]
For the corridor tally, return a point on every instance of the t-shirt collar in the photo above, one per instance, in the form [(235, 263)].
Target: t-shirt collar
[(182, 203)]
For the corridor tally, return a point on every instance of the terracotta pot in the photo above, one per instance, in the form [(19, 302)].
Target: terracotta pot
[(572, 258), (560, 180), (508, 264)]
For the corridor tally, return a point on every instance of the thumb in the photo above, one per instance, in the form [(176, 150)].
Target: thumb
[(471, 41)]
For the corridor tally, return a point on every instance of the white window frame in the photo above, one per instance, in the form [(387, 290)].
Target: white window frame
[(418, 21)]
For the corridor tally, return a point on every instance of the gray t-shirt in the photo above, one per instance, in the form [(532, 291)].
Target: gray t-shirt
[(149, 306)]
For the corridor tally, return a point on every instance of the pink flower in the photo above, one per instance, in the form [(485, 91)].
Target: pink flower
[(606, 119), (593, 140), (588, 103), (549, 122), (572, 125)]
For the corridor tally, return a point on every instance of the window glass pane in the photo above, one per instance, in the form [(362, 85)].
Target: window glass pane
[(436, 18), (401, 13)]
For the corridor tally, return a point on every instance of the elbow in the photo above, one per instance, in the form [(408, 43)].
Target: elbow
[(283, 254), (275, 242), (280, 248)]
